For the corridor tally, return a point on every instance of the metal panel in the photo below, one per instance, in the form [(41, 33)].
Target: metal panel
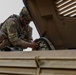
[(38, 63), (60, 29)]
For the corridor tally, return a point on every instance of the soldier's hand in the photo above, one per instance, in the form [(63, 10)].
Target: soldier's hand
[(33, 45)]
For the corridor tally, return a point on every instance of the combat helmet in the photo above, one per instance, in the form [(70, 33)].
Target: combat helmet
[(24, 13)]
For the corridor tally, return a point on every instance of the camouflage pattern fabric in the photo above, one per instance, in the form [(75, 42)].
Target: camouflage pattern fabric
[(18, 35)]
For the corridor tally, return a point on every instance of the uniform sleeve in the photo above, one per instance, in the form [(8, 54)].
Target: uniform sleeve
[(30, 39), (13, 35)]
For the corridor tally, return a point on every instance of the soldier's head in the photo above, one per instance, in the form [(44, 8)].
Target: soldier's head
[(25, 16)]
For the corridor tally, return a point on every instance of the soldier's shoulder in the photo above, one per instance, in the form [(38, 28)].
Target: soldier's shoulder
[(11, 20)]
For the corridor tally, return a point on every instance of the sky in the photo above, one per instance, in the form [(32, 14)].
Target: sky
[(9, 7)]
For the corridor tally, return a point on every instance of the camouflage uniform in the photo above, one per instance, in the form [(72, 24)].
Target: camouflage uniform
[(17, 35)]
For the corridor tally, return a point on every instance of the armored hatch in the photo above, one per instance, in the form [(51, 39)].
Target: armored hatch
[(55, 20)]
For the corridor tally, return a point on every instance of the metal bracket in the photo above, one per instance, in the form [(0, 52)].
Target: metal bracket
[(38, 64)]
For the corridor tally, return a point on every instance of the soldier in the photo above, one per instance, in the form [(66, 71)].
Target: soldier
[(16, 32)]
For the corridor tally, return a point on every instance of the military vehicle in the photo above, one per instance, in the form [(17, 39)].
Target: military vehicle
[(55, 21)]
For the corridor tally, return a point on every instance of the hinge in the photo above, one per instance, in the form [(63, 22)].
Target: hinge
[(38, 64)]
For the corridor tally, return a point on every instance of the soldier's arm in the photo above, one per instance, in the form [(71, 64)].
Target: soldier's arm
[(30, 35), (13, 36)]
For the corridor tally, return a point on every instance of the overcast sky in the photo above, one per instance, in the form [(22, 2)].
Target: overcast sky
[(9, 7)]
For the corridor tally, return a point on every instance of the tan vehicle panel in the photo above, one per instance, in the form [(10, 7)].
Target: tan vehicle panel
[(55, 20)]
